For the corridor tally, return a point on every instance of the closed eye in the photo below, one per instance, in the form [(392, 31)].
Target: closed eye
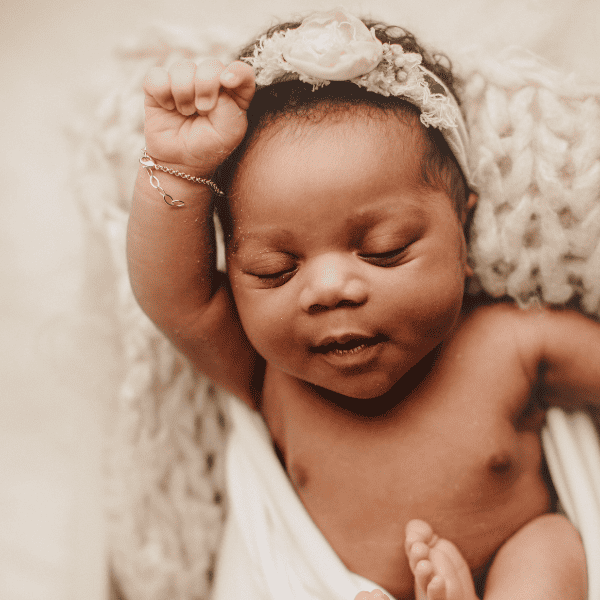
[(386, 259), (271, 280)]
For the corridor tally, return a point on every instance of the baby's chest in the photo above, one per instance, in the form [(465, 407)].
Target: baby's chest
[(456, 459), (472, 474)]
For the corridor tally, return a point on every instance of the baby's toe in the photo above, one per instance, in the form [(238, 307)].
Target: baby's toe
[(417, 531), (424, 572), (418, 552)]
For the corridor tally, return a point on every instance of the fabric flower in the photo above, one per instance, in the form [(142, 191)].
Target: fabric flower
[(332, 45)]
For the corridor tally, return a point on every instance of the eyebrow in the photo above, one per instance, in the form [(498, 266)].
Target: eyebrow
[(360, 224), (272, 235), (373, 216)]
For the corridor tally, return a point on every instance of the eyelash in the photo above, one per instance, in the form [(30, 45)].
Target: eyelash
[(276, 279), (385, 259)]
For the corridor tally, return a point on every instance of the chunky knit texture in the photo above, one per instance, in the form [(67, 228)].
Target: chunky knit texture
[(535, 154), (164, 456), (535, 237)]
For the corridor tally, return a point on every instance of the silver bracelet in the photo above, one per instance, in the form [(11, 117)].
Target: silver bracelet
[(148, 163)]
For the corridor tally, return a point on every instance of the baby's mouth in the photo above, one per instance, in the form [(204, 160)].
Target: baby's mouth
[(348, 345)]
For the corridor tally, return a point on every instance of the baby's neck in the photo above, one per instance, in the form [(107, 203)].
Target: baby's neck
[(380, 406), (282, 391)]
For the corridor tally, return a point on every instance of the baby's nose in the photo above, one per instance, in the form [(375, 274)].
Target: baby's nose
[(331, 282)]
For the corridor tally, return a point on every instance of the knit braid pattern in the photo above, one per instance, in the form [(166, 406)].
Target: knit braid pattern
[(535, 155), (164, 473)]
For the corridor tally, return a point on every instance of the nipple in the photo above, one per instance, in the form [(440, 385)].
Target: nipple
[(501, 464), (298, 476)]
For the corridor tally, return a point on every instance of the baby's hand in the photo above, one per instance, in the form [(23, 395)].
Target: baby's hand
[(196, 114)]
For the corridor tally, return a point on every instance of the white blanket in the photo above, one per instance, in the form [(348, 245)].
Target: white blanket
[(573, 455), (273, 550)]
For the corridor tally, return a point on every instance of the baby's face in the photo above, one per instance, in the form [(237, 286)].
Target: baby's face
[(345, 269)]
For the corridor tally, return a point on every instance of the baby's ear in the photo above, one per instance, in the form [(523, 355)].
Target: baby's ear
[(466, 213), (471, 201)]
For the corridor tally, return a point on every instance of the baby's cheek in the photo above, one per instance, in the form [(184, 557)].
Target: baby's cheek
[(424, 314), (267, 327), (440, 323), (278, 345)]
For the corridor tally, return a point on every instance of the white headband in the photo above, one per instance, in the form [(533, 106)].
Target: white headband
[(336, 46)]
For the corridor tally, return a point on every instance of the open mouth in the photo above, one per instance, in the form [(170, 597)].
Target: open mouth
[(347, 347)]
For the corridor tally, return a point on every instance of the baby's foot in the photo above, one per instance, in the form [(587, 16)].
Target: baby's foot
[(441, 573), (374, 595)]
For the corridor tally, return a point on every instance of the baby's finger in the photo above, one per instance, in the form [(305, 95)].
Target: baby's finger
[(238, 80), (182, 85), (157, 87), (207, 85)]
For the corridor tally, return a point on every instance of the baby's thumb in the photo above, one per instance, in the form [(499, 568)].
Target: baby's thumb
[(238, 81)]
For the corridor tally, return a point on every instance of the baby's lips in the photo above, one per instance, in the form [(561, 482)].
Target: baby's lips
[(348, 339), (339, 339)]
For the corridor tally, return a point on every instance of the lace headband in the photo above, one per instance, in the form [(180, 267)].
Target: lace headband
[(336, 46)]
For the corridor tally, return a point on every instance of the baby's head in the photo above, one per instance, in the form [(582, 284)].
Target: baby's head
[(345, 214)]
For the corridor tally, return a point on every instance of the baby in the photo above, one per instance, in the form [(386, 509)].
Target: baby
[(407, 418)]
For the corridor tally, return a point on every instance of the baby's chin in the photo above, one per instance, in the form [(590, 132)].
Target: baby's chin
[(357, 392), (377, 391)]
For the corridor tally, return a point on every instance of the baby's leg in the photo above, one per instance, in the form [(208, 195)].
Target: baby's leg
[(544, 560)]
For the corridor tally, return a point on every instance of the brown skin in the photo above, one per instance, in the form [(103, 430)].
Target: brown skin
[(419, 409)]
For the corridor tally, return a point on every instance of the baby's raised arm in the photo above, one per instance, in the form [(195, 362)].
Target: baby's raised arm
[(194, 118)]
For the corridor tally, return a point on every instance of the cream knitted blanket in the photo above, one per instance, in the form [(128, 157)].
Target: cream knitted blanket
[(535, 237)]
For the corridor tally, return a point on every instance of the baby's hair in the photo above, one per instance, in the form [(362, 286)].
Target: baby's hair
[(289, 100)]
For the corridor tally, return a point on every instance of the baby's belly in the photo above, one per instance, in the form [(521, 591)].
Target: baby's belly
[(473, 493)]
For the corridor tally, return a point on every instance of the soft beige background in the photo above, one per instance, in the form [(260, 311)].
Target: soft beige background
[(57, 367)]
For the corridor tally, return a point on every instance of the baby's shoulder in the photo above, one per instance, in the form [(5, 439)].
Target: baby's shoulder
[(535, 321), (503, 331), (495, 317), (538, 334)]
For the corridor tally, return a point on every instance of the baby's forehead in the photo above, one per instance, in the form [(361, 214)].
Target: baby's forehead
[(343, 120), (336, 137), (294, 228)]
